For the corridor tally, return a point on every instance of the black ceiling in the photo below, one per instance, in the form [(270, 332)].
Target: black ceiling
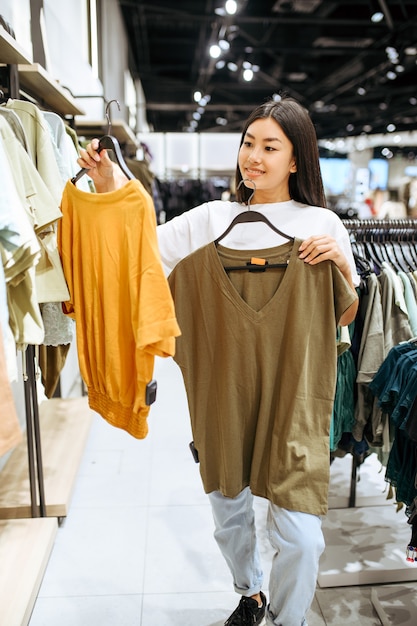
[(326, 53)]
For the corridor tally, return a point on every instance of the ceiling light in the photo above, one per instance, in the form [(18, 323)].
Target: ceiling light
[(248, 75), (197, 96), (391, 128), (232, 67), (376, 17), (224, 45), (361, 91), (215, 51), (231, 7), (391, 75), (220, 64)]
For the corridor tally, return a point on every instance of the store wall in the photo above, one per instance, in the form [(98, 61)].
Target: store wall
[(65, 40)]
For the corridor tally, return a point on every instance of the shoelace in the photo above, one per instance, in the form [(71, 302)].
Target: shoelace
[(243, 615)]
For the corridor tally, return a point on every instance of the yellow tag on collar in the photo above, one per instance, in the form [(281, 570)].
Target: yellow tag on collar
[(255, 261)]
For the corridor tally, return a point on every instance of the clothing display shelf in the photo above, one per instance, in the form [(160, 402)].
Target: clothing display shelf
[(13, 55), (36, 81), (25, 541), (10, 51)]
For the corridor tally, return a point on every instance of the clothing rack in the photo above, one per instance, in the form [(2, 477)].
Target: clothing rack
[(406, 227), (362, 542), (398, 230), (10, 89)]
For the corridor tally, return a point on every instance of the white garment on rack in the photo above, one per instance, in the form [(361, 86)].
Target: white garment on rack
[(20, 254)]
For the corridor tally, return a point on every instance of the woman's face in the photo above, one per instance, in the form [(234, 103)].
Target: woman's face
[(266, 158)]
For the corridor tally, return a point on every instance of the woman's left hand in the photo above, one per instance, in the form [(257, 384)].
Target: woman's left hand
[(320, 248)]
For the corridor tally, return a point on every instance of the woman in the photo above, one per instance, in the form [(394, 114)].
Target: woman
[(287, 460)]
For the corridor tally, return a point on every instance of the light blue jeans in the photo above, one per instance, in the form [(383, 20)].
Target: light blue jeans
[(297, 541)]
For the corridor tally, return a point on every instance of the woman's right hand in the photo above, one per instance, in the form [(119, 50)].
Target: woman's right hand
[(106, 174)]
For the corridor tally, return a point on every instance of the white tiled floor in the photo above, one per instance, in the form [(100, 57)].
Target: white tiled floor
[(136, 548)]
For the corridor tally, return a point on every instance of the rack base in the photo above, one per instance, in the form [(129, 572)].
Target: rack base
[(64, 425)]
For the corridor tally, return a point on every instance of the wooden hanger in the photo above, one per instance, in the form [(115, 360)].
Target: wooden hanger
[(110, 143), (250, 216), (254, 265)]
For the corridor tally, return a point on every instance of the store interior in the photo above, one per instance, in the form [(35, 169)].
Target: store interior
[(97, 527)]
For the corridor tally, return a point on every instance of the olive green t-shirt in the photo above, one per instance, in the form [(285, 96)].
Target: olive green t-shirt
[(258, 357)]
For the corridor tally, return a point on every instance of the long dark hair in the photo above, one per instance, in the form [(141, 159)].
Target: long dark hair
[(306, 184)]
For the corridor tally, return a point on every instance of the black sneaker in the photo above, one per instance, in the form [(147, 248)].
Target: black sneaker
[(247, 613)]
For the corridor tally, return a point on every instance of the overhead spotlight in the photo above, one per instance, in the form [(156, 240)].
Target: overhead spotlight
[(232, 66), (386, 152), (391, 128), (392, 54), (224, 44), (377, 17), (197, 96), (276, 97), (221, 121), (231, 7), (361, 91), (220, 64), (215, 51), (391, 75), (248, 75)]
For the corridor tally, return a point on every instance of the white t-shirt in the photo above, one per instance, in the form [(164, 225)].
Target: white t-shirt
[(205, 223)]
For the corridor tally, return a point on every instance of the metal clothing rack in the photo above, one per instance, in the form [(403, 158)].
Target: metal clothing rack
[(10, 87), (404, 229)]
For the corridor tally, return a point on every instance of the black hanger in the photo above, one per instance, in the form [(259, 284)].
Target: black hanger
[(250, 216), (110, 143)]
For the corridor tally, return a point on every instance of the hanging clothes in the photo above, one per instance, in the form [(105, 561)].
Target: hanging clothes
[(119, 298), (20, 252), (243, 338)]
